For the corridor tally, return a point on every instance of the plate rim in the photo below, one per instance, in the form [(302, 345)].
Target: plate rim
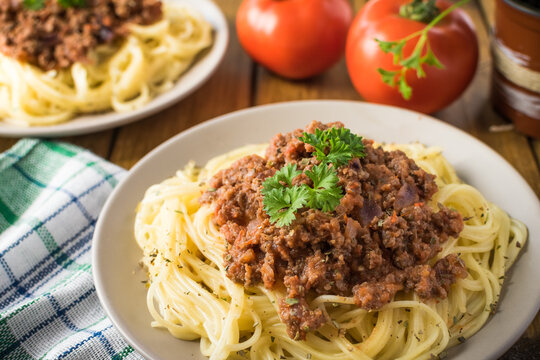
[(211, 61), (127, 333)]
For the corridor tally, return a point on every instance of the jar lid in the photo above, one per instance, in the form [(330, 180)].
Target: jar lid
[(524, 6)]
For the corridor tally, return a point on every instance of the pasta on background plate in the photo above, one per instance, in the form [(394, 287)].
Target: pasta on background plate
[(323, 245), (115, 60)]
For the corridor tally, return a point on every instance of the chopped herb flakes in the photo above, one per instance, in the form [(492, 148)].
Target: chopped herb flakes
[(291, 301)]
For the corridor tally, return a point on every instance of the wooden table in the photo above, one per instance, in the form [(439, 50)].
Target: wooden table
[(239, 83)]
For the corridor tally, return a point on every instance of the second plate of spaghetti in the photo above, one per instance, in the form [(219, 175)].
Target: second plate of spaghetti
[(321, 244), (105, 64)]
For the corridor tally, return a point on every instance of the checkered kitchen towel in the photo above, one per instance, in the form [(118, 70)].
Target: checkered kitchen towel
[(50, 196)]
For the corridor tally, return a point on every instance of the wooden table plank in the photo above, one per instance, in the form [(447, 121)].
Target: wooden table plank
[(488, 9), (99, 143), (536, 147), (6, 143), (229, 89), (333, 84)]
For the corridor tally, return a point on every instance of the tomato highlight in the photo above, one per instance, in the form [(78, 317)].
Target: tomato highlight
[(296, 39)]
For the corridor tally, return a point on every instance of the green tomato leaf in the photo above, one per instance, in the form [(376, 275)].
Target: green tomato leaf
[(397, 50), (386, 46), (420, 73), (412, 62), (388, 77), (431, 59), (404, 88), (393, 47)]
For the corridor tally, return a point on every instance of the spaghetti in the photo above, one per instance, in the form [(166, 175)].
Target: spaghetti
[(190, 295), (123, 77)]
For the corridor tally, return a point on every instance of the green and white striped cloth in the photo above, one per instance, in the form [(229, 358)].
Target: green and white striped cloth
[(50, 197)]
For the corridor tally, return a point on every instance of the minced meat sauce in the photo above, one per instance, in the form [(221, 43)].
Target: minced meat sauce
[(378, 241), (55, 37)]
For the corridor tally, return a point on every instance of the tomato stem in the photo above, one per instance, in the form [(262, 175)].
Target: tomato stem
[(443, 14), (416, 59), (418, 10)]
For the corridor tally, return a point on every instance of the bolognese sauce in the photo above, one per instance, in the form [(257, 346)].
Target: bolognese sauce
[(55, 36), (380, 239)]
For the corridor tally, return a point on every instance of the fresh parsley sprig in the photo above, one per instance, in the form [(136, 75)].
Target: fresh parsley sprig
[(416, 60), (325, 194), (335, 145), (33, 4), (282, 203), (72, 3), (286, 175), (40, 4), (333, 148), (280, 198)]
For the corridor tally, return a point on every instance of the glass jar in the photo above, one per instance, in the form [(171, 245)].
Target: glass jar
[(516, 59)]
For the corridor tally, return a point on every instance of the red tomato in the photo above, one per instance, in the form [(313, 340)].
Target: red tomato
[(294, 38), (452, 40)]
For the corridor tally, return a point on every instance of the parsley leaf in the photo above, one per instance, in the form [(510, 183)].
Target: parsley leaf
[(317, 140), (286, 174), (335, 145), (323, 177), (339, 154), (325, 194), (33, 4), (282, 203), (72, 3), (40, 4), (354, 141)]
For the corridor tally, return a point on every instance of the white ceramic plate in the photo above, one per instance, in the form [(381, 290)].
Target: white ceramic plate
[(116, 255), (194, 77)]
